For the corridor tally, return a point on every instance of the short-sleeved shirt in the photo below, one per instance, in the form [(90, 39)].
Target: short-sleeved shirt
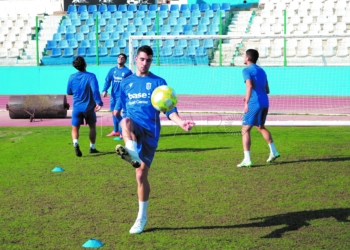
[(258, 77)]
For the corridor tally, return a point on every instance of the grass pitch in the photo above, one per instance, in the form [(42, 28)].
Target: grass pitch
[(199, 198)]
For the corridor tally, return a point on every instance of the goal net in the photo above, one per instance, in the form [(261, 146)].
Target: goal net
[(308, 76)]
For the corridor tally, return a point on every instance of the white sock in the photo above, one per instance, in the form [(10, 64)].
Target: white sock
[(75, 142), (132, 145), (142, 210), (246, 155), (92, 146), (272, 148)]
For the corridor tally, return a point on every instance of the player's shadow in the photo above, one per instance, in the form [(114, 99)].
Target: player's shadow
[(290, 221), (332, 159), (101, 154), (181, 133), (180, 150)]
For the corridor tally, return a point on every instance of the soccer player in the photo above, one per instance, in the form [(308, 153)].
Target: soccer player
[(86, 102), (141, 127), (256, 106), (114, 77)]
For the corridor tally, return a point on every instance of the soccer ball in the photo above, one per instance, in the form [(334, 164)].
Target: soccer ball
[(163, 98)]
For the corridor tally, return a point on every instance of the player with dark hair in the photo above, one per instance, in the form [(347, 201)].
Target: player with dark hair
[(114, 77), (141, 127), (256, 106), (86, 102)]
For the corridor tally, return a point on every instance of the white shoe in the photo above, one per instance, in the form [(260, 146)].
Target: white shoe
[(138, 226), (273, 157), (245, 163), (128, 155)]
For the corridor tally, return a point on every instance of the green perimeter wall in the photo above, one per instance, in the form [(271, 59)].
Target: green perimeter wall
[(330, 81)]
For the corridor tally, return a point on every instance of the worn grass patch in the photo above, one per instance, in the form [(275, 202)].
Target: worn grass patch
[(199, 198)]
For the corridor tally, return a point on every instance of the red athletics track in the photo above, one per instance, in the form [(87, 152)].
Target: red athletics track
[(217, 105)]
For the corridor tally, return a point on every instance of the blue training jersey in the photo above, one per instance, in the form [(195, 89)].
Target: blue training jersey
[(84, 88), (135, 99), (259, 79), (114, 77)]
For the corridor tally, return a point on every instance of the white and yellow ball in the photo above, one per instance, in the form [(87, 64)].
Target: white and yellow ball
[(164, 98)]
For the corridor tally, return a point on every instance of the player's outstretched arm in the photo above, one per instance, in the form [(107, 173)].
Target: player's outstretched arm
[(185, 125)]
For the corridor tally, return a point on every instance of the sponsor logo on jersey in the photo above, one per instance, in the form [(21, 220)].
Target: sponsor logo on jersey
[(138, 96), (148, 85)]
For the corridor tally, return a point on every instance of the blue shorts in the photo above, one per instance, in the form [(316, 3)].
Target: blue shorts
[(79, 117), (113, 102), (147, 144), (255, 116)]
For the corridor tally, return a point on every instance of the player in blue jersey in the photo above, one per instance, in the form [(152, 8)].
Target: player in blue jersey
[(141, 127), (114, 77), (86, 102), (256, 106)]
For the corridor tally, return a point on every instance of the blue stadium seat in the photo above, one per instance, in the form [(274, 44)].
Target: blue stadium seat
[(132, 8), (118, 15), (70, 36), (182, 43), (131, 28), (199, 33), (209, 14), (188, 32), (73, 44), (68, 52), (92, 8), (56, 52), (71, 8), (214, 28), (178, 51), (82, 8), (81, 51), (84, 29), (102, 8), (201, 51), (112, 8), (62, 29), (129, 15), (121, 43), (66, 22), (194, 21), (153, 7), (196, 13), (194, 7), (91, 36), (104, 36), (164, 7), (223, 14), (51, 45), (166, 28), (107, 15), (203, 28), (84, 15), (174, 33), (146, 42), (85, 44), (135, 44), (205, 21), (174, 7), (102, 22), (137, 21), (215, 7), (115, 51), (73, 15), (91, 52), (109, 43), (150, 33), (109, 28), (147, 21), (194, 43), (152, 14), (124, 21), (163, 14), (166, 51), (226, 7), (172, 21), (57, 37), (112, 21), (186, 14), (71, 29), (204, 7), (175, 13), (184, 7), (90, 22), (119, 29), (96, 14), (187, 27), (160, 22), (143, 29), (115, 35), (122, 7), (140, 14), (63, 44), (93, 29), (126, 35), (190, 51), (208, 43), (126, 50), (182, 21), (76, 22), (170, 43), (139, 33), (102, 51), (143, 7), (212, 33), (178, 28), (216, 21), (79, 36)]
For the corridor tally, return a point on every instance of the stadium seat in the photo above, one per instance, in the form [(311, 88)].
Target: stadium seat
[(84, 29), (328, 51), (186, 14), (194, 43), (68, 52), (107, 15), (132, 8), (91, 52), (342, 51), (109, 43), (109, 28), (121, 43), (196, 13), (182, 43), (182, 21), (209, 14), (56, 52), (151, 14), (166, 51), (93, 29), (172, 21), (174, 7), (164, 7), (153, 7), (201, 51), (76, 22), (103, 8), (126, 35), (203, 28), (49, 46), (96, 14), (124, 21), (170, 43), (189, 32), (71, 8), (66, 22), (70, 36), (115, 51), (143, 7), (104, 36), (81, 51), (204, 7), (126, 50), (205, 21), (178, 28), (184, 7), (82, 8), (112, 8), (147, 21), (166, 28), (208, 43), (102, 51), (215, 7), (131, 28), (226, 7), (194, 7), (135, 44), (119, 29), (115, 35), (178, 52), (137, 21), (71, 29), (175, 13), (112, 21), (73, 44), (190, 51), (150, 33), (163, 14), (143, 29), (63, 44), (73, 15), (62, 29), (84, 15), (118, 15), (92, 8), (3, 52), (141, 14), (146, 42), (194, 21), (122, 7), (79, 36), (57, 37)]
